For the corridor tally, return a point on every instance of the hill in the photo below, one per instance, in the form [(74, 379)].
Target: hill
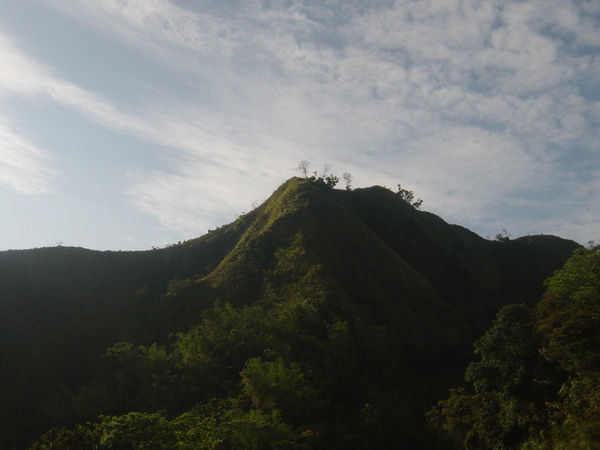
[(373, 303)]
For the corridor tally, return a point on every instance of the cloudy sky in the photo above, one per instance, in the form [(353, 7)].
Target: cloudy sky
[(128, 124)]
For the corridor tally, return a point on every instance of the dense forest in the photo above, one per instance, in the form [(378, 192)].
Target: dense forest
[(535, 382), (324, 318)]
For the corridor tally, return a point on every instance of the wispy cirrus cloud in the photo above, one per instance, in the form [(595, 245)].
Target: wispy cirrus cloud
[(220, 155), (22, 76), (474, 103), (24, 168)]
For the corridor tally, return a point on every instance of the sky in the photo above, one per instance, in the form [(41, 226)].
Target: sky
[(133, 124)]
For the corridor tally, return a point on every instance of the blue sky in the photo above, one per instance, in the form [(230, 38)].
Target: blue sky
[(132, 124)]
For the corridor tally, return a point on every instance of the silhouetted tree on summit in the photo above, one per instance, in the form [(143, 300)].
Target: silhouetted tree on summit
[(409, 197), (348, 178), (303, 168)]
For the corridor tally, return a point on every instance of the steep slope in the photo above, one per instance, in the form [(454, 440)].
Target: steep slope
[(414, 291), (307, 245), (475, 275)]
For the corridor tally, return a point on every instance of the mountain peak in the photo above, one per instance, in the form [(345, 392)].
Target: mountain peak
[(411, 291)]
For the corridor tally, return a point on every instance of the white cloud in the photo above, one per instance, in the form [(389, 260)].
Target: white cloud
[(480, 101), (23, 166), (200, 196), (221, 156)]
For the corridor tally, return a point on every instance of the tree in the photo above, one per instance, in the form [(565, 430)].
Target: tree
[(348, 178), (569, 314), (80, 436), (258, 429), (536, 384), (504, 236), (276, 385), (505, 404), (409, 197), (326, 169), (569, 322), (136, 430), (303, 168), (578, 282), (331, 181), (325, 179)]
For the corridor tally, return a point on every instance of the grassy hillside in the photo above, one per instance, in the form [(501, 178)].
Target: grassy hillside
[(475, 275), (409, 292)]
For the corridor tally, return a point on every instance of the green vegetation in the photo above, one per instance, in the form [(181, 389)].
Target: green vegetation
[(536, 383), (409, 197), (323, 318)]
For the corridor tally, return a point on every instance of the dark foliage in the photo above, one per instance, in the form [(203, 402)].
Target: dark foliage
[(536, 383)]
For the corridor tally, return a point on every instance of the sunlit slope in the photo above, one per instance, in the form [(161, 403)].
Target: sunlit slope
[(305, 245)]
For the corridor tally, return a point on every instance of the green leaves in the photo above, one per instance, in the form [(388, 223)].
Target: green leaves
[(277, 385), (569, 320), (536, 383), (135, 430), (409, 197), (569, 313), (510, 385), (578, 281), (508, 351)]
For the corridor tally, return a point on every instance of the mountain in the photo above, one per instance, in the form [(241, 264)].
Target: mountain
[(410, 292)]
